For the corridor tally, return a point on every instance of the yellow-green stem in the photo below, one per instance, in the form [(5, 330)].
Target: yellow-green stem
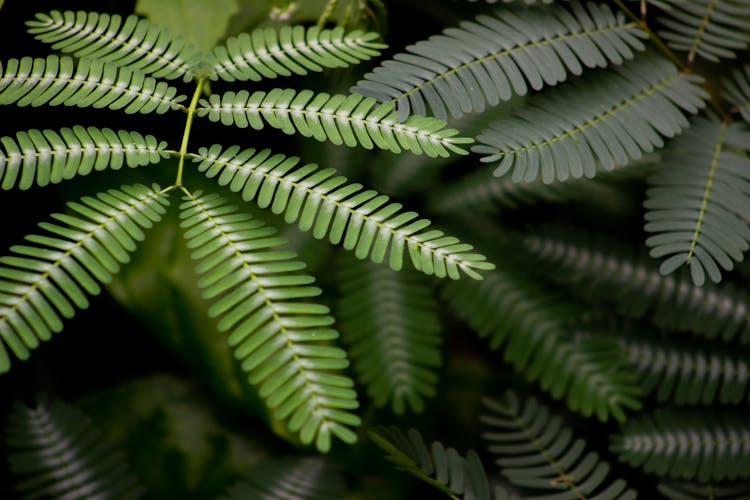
[(327, 11), (186, 132)]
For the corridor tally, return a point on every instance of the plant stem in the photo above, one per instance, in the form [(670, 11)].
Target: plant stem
[(327, 11), (186, 132)]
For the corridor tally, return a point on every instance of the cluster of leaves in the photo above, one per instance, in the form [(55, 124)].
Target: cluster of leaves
[(614, 137)]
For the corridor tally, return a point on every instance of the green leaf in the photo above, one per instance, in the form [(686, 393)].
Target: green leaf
[(202, 23)]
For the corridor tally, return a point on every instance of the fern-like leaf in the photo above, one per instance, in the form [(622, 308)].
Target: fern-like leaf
[(58, 81), (351, 120), (301, 478), (391, 323), (270, 53), (444, 468), (681, 490), (258, 297), (711, 29), (687, 445), (686, 373), (603, 270), (326, 205), (699, 200), (737, 91), (54, 451), (133, 43), (533, 323), (49, 157), (39, 284), (607, 120), (534, 450), (494, 57)]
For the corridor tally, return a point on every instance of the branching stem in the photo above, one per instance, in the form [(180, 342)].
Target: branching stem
[(186, 132)]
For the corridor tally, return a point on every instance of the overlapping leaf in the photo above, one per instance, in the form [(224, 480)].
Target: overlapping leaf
[(280, 338), (56, 81), (327, 205), (44, 283), (490, 59), (534, 450), (706, 446), (351, 120), (604, 120), (42, 157), (699, 200), (133, 43), (737, 91), (711, 29)]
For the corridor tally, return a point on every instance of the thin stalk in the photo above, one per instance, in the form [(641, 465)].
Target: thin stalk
[(186, 132), (327, 11)]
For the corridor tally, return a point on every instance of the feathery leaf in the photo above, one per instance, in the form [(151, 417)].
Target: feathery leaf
[(58, 81), (279, 338), (56, 452), (736, 90), (711, 29), (270, 53), (699, 200), (390, 320), (707, 446), (133, 43), (535, 451), (351, 120), (488, 60), (326, 205), (605, 119), (438, 466), (49, 157), (39, 284)]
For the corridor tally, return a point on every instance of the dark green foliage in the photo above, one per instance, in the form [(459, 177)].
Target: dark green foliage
[(54, 452), (390, 322), (697, 200), (503, 55), (706, 446), (535, 451), (441, 467), (626, 113), (681, 490), (607, 271), (737, 91), (301, 478)]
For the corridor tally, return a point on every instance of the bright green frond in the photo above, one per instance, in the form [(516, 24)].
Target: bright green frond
[(43, 283), (604, 120), (603, 270), (58, 81), (327, 205), (532, 324), (494, 57), (687, 373), (683, 490), (707, 446), (444, 468), (290, 50), (54, 451), (49, 157), (698, 201), (133, 43), (390, 322), (300, 478), (711, 29), (342, 119), (736, 90), (534, 450), (279, 337)]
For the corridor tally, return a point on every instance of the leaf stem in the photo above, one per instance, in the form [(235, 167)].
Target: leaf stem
[(186, 132), (327, 11)]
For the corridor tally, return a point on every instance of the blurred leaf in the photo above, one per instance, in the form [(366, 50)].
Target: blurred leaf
[(202, 23), (178, 444)]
